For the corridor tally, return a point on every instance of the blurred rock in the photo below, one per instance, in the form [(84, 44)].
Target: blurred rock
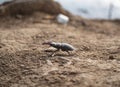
[(62, 19)]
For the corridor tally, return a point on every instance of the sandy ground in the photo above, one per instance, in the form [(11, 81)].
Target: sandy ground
[(24, 63)]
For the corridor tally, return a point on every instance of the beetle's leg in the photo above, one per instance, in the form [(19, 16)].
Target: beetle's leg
[(53, 54), (68, 52)]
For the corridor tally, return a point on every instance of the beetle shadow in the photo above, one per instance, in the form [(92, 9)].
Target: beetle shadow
[(50, 52), (63, 55)]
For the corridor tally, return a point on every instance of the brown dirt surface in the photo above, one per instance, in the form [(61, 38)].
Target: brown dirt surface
[(24, 63)]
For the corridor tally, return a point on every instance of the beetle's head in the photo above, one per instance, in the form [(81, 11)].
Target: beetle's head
[(47, 43)]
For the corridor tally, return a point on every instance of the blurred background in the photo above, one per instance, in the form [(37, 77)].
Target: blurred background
[(100, 9), (91, 9)]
